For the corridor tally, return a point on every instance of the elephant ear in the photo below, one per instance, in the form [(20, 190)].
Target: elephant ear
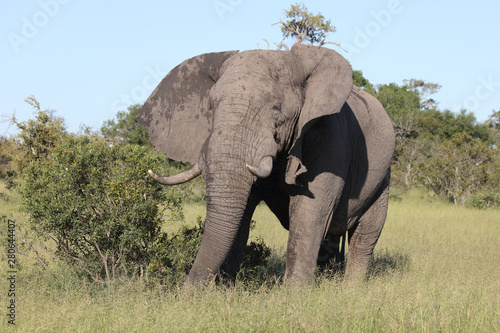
[(328, 84), (177, 115)]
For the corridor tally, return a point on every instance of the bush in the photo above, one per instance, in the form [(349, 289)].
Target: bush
[(37, 137), (484, 201), (98, 204), (460, 167), (255, 259), (173, 257), (395, 194), (256, 254)]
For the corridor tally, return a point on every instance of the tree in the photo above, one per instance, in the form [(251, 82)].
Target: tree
[(40, 135), (126, 129), (461, 166), (406, 170), (302, 25), (402, 106), (359, 80), (398, 101), (493, 121), (36, 139), (424, 90), (493, 124), (445, 124), (96, 201), (7, 151)]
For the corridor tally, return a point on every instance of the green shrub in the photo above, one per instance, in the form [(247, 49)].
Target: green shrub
[(98, 204), (484, 201), (461, 166), (256, 254), (395, 194), (173, 257)]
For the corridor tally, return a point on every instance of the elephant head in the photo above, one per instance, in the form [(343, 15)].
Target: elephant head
[(231, 115)]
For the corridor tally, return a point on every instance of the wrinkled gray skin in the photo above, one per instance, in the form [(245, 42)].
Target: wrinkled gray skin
[(331, 144)]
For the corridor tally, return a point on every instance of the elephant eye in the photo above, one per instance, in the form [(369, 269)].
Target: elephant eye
[(276, 137), (277, 109)]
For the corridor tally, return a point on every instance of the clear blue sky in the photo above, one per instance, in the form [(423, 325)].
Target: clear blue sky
[(89, 59)]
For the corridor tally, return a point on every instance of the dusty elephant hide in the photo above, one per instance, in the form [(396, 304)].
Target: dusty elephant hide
[(284, 127)]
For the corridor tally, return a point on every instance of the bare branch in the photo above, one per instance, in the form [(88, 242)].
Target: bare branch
[(336, 44), (301, 35), (94, 276), (38, 258), (265, 40), (105, 262)]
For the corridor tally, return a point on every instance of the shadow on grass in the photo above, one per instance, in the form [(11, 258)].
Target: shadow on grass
[(388, 262), (270, 273), (383, 263)]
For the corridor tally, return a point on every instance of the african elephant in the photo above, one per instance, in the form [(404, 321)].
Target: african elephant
[(284, 127)]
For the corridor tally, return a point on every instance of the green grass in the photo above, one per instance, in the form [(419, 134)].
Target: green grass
[(436, 269)]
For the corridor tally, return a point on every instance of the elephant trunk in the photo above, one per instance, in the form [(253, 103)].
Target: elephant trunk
[(228, 168), (226, 206)]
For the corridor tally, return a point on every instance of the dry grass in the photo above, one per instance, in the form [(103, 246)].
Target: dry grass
[(436, 268)]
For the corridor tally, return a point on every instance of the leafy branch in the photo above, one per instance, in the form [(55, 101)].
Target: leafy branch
[(304, 26)]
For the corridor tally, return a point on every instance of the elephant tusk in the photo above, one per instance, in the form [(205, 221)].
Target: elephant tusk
[(184, 176), (264, 169)]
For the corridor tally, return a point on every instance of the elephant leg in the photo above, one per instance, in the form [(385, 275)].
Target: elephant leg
[(309, 217), (232, 263), (364, 237)]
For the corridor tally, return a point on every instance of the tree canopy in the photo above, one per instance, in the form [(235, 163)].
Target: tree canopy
[(125, 128), (301, 25), (425, 136), (35, 140)]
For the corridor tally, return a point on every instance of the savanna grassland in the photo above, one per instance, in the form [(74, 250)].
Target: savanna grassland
[(436, 268)]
